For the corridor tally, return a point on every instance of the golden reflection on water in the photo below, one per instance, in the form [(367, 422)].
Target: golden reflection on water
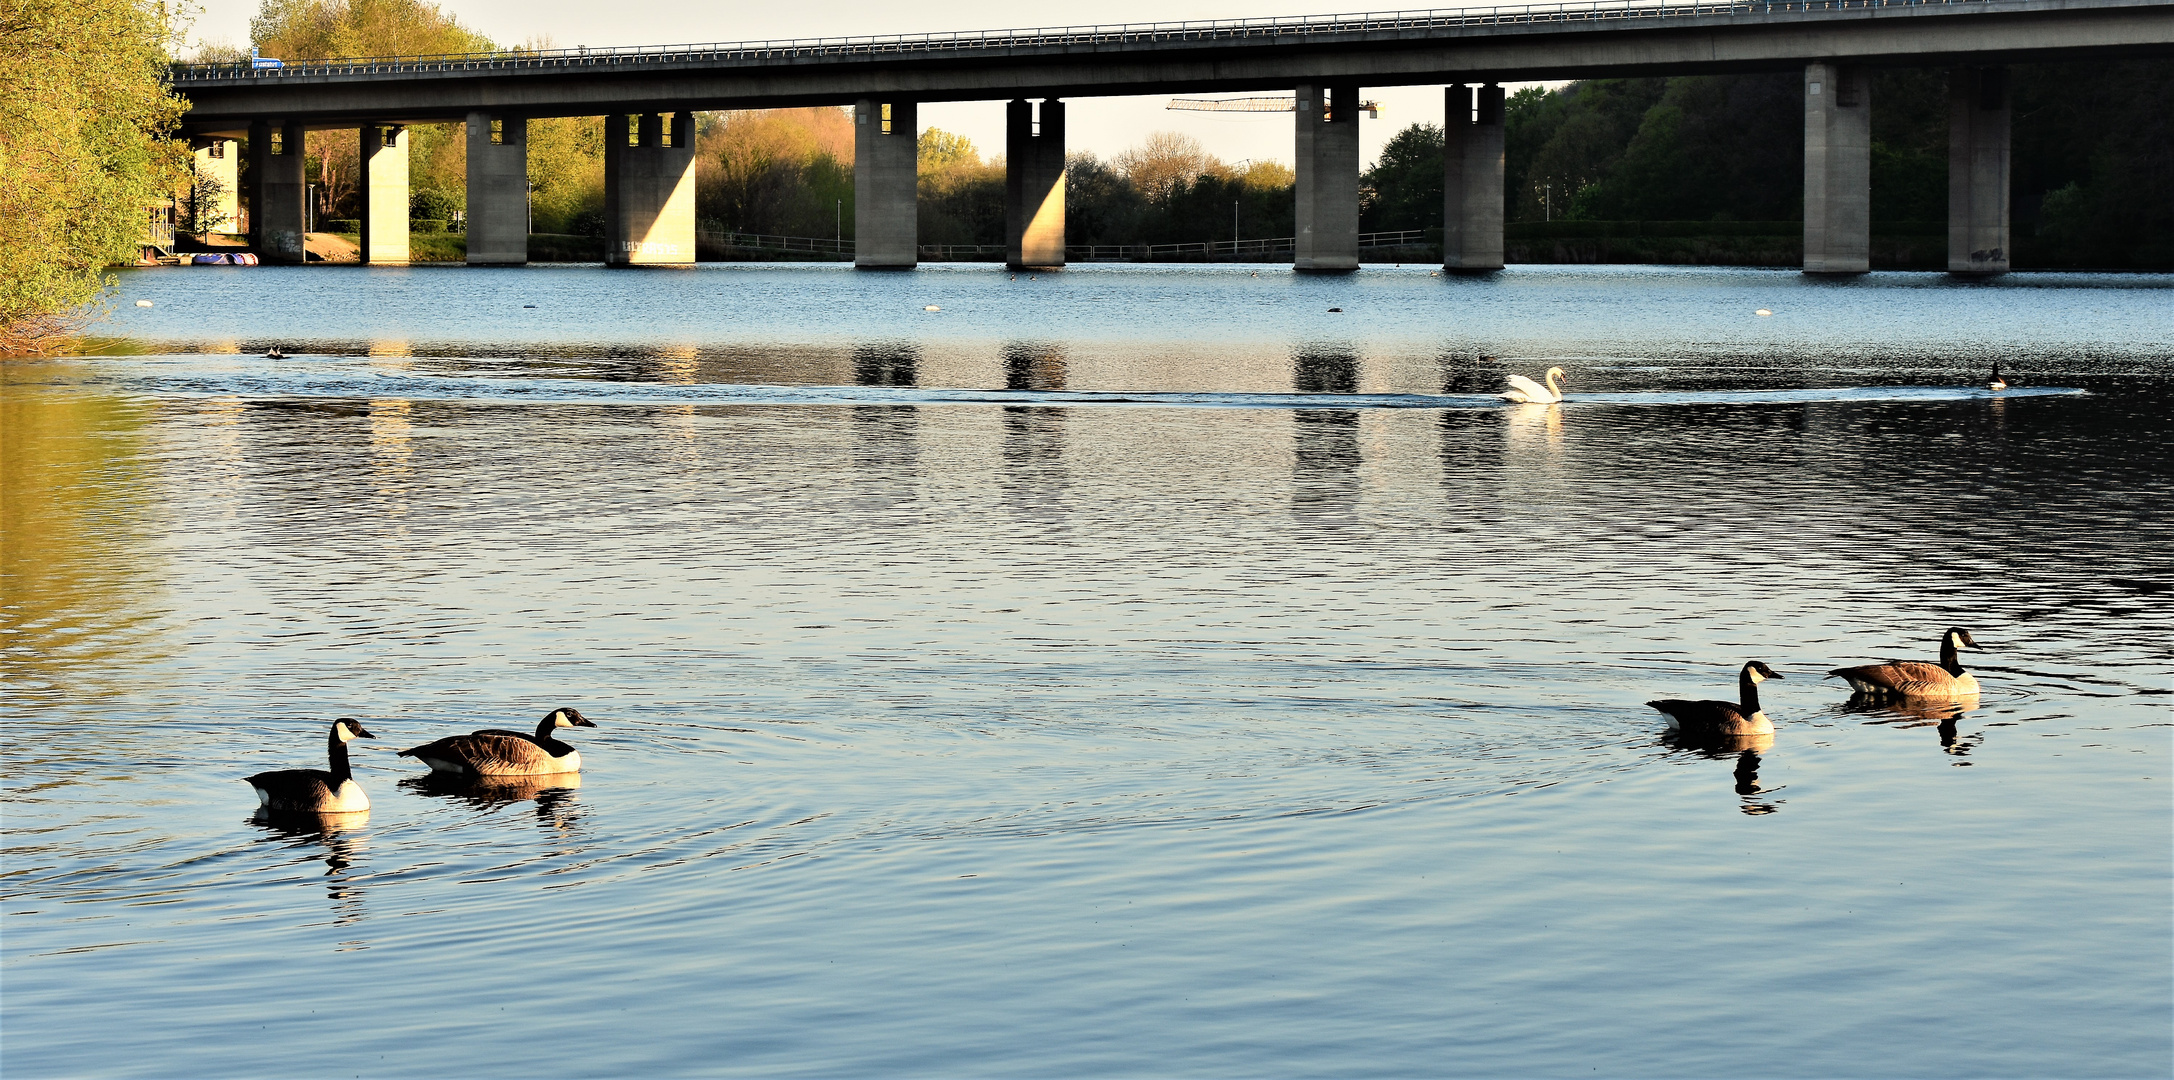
[(391, 356), (392, 439), (79, 564), (678, 365)]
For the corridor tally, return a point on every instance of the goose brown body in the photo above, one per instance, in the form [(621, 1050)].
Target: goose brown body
[(316, 791), (495, 752), (1712, 719), (1917, 678)]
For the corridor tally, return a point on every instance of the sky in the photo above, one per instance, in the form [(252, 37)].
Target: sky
[(1103, 126)]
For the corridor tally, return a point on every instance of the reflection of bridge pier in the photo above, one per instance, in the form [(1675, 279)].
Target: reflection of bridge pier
[(1325, 442)]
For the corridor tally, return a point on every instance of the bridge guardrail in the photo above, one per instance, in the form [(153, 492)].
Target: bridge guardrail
[(892, 45)]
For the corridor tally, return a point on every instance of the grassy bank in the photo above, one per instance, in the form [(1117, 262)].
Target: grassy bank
[(437, 247)]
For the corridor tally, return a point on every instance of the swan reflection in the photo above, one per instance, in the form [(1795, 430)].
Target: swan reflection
[(552, 793), (340, 835), (1747, 750), (1939, 714)]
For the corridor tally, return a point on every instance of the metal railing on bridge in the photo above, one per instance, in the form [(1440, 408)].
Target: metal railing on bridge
[(878, 47)]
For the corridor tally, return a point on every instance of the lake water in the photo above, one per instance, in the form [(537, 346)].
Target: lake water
[(1124, 671)]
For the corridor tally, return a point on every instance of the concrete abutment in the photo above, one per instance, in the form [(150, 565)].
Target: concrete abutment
[(649, 190), (1837, 170), (1328, 179), (384, 184), (1979, 240), (1034, 185), (1472, 163), (497, 190), (278, 193), (886, 185)]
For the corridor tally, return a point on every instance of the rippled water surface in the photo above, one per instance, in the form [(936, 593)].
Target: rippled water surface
[(1121, 671)]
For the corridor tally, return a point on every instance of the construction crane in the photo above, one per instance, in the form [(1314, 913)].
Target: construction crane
[(1256, 104)]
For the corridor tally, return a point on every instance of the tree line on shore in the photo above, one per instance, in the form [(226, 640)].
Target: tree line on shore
[(82, 153)]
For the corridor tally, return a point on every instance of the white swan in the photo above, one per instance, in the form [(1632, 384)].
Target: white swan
[(1525, 390)]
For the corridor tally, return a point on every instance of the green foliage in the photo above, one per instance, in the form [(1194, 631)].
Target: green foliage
[(1404, 188), (782, 172), (566, 173), (2092, 152), (82, 107), (324, 29), (961, 197), (2094, 163), (431, 204), (201, 206)]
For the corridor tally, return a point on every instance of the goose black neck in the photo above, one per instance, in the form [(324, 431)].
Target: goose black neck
[(544, 728), (337, 751), (1948, 658), (1747, 689)]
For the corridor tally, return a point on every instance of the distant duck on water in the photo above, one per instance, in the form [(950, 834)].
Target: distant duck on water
[(1707, 719), (1526, 391), (273, 353), (313, 791), (505, 753), (1916, 678), (1996, 382)]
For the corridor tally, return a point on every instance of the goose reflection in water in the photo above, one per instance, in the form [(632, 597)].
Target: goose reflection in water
[(343, 841), (1940, 715), (553, 793), (1748, 750)]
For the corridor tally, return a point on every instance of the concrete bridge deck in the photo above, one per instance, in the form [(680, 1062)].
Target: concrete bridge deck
[(1591, 39)]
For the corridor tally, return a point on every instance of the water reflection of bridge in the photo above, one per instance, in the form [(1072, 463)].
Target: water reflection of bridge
[(649, 95)]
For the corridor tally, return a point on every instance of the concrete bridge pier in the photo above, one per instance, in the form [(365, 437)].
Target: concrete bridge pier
[(384, 183), (886, 183), (1979, 241), (1472, 149), (1328, 179), (497, 190), (278, 194), (649, 190), (1837, 170), (1034, 185)]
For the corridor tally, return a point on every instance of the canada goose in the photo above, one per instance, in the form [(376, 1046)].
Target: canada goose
[(1704, 719), (313, 791), (1916, 678), (505, 753), (1997, 383), (1525, 390)]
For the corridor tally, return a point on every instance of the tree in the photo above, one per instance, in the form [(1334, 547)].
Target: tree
[(786, 172), (1404, 188), (1166, 159), (961, 197), (201, 208), (83, 108), (327, 29)]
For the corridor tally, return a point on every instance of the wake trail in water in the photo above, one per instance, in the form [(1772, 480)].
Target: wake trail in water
[(291, 380)]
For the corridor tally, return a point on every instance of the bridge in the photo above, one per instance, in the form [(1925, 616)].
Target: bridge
[(649, 96)]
